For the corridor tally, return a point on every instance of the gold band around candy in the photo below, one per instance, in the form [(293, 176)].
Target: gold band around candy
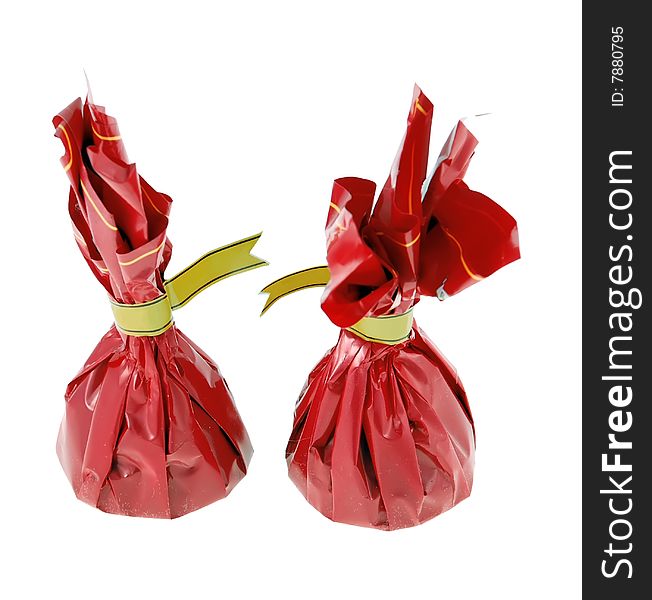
[(146, 319), (387, 329), (155, 317)]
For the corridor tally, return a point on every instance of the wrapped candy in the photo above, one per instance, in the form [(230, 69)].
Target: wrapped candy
[(383, 435), (150, 428)]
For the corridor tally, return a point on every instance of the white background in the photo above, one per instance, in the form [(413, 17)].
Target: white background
[(244, 115)]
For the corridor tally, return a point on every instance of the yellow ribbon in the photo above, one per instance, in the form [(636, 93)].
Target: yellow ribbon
[(301, 280), (154, 317), (386, 329), (146, 319)]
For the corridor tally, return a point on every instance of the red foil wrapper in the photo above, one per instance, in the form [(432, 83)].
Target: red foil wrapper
[(383, 435), (150, 428)]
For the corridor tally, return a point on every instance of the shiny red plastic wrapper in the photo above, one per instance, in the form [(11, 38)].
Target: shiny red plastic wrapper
[(150, 428), (383, 435)]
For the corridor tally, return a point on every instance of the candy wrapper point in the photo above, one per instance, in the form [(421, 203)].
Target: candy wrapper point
[(150, 428), (383, 434)]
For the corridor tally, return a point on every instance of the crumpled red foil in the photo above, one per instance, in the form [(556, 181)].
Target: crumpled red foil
[(150, 428), (383, 435)]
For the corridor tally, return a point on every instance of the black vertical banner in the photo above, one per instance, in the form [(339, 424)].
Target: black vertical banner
[(616, 331)]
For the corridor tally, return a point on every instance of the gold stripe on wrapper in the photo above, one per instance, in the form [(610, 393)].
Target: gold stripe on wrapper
[(155, 317), (386, 329)]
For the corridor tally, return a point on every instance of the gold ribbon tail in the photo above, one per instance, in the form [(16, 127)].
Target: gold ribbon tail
[(154, 317), (301, 280), (214, 266)]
